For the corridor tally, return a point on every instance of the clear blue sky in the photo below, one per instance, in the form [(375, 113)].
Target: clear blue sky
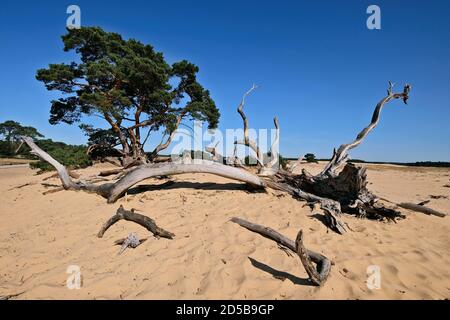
[(318, 67)]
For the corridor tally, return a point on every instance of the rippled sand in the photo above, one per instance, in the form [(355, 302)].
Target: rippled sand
[(210, 257)]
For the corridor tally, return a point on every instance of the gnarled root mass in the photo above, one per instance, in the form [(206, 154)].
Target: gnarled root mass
[(348, 188)]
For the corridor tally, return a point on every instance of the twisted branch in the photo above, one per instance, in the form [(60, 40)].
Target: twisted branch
[(247, 142), (341, 155), (318, 274), (271, 167), (140, 219)]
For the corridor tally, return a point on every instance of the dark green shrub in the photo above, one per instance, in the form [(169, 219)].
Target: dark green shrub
[(71, 156), (311, 158)]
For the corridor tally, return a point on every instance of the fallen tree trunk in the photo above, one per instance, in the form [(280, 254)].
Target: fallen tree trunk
[(345, 191), (318, 274), (113, 191), (144, 221)]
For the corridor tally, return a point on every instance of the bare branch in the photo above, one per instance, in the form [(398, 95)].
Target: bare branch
[(164, 145), (318, 275), (341, 155), (213, 150), (144, 221), (18, 148), (272, 166), (421, 208), (331, 208), (62, 171), (247, 142)]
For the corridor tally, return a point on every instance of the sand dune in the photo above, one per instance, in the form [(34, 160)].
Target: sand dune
[(210, 257)]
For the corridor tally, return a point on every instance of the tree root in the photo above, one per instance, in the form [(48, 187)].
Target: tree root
[(318, 274)]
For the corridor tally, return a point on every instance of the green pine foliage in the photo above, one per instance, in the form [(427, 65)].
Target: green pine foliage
[(128, 84)]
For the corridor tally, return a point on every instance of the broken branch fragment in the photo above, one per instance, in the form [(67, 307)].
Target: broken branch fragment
[(318, 274), (421, 208), (131, 241), (144, 221)]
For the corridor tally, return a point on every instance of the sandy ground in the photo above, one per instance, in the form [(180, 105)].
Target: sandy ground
[(210, 257), (13, 161)]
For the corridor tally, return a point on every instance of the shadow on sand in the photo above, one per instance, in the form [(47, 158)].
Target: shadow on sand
[(281, 275)]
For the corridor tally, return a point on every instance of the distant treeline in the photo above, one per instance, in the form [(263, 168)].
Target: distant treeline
[(72, 156), (409, 164), (441, 164)]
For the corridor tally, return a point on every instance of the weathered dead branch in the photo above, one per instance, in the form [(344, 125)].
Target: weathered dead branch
[(331, 208), (421, 208), (247, 142), (340, 156), (112, 191), (318, 274), (106, 173), (213, 150), (164, 145), (140, 219), (349, 187), (271, 167)]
